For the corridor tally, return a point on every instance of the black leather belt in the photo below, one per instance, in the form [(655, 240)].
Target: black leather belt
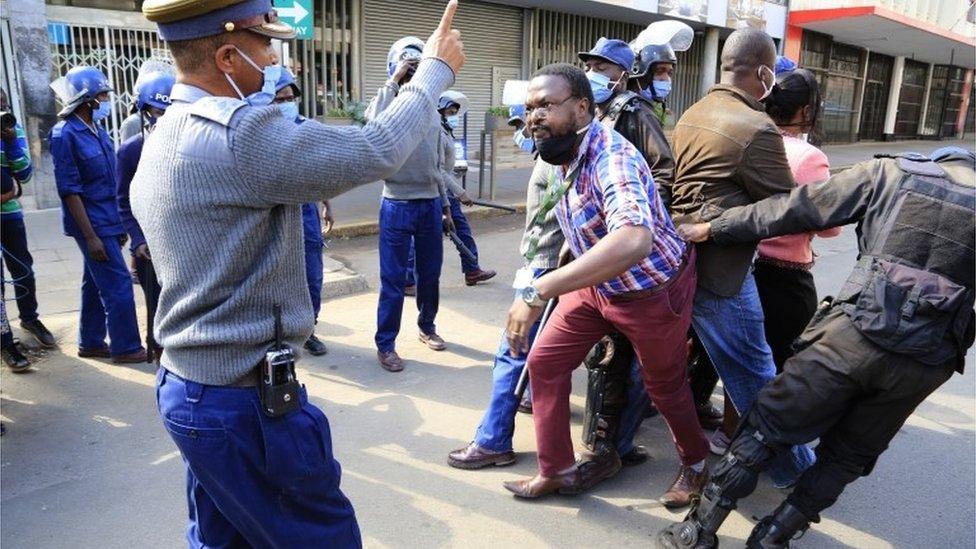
[(250, 379)]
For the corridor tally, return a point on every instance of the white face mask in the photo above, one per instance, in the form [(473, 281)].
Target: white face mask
[(766, 90)]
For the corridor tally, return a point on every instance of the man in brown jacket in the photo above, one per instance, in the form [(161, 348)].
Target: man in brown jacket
[(728, 152)]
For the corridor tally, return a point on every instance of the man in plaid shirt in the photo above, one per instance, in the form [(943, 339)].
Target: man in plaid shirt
[(631, 273)]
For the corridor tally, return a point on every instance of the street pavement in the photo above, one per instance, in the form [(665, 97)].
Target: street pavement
[(86, 463)]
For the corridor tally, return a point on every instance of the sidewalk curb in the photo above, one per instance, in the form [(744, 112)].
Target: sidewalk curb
[(366, 228)]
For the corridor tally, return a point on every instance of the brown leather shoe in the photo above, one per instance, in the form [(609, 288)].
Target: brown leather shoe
[(685, 489), (566, 484), (131, 358), (475, 277), (594, 467), (434, 341), (709, 416), (101, 352), (473, 456), (390, 361)]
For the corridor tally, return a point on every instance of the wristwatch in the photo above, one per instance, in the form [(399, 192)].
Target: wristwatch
[(530, 295)]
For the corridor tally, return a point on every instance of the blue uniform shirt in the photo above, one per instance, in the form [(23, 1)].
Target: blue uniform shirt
[(84, 165), (128, 160)]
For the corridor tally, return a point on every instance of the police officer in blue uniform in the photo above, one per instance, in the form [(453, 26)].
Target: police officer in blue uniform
[(286, 98), (85, 173), (218, 194), (152, 100)]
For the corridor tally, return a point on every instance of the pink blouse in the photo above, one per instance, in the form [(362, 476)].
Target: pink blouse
[(809, 165)]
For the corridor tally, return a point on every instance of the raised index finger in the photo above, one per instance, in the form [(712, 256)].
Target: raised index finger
[(448, 18)]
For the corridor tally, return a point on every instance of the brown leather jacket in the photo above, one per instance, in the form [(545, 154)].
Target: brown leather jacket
[(633, 117), (728, 152)]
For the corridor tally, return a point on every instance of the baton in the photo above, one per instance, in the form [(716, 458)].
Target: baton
[(523, 380), (461, 247), (150, 311), (494, 205)]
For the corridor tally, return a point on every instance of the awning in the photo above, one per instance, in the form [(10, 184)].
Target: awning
[(891, 33)]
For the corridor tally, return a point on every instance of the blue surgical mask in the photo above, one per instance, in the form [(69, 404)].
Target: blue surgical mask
[(647, 94), (266, 94), (600, 84), (103, 111), (523, 142), (452, 121), (289, 109), (662, 88)]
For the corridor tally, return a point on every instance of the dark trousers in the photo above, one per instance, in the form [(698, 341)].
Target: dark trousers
[(17, 258), (789, 300), (403, 221), (312, 229), (150, 291), (252, 480), (463, 228), (848, 392)]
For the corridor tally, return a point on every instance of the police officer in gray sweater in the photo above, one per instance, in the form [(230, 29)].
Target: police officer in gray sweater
[(218, 193), (414, 211)]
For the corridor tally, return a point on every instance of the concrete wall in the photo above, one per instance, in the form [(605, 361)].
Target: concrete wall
[(28, 26)]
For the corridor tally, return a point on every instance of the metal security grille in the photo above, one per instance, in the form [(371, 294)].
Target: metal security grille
[(118, 52), (325, 67)]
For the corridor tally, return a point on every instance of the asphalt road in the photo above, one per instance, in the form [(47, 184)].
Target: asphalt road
[(86, 463)]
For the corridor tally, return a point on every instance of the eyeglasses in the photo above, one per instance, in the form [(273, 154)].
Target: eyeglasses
[(545, 107)]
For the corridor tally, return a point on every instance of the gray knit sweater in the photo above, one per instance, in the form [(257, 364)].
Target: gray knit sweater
[(218, 193)]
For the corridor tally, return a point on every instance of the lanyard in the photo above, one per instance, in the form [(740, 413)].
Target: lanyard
[(553, 194)]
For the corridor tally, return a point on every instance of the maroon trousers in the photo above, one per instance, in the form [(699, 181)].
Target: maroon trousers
[(656, 324)]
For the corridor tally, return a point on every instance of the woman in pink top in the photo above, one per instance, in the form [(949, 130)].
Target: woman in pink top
[(782, 269)]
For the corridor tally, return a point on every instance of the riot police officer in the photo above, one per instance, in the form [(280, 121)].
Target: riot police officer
[(85, 174), (154, 85), (218, 193), (900, 326), (287, 94)]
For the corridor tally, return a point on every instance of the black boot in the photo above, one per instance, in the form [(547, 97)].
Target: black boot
[(315, 347), (776, 531), (40, 332), (602, 461), (13, 358), (698, 529)]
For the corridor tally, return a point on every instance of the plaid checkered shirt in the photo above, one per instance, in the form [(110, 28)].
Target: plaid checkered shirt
[(614, 188)]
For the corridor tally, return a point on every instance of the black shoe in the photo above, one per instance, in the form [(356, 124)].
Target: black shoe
[(40, 332), (636, 456), (13, 358), (314, 346)]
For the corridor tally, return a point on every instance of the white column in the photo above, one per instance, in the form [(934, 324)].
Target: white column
[(925, 100), (709, 61), (894, 93)]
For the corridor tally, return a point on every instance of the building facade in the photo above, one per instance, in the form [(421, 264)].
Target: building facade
[(342, 59), (890, 69)]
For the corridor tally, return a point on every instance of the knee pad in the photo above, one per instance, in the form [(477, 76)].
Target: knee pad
[(738, 471)]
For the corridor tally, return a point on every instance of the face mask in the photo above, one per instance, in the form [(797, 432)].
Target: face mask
[(600, 84), (452, 121), (558, 150), (647, 94), (289, 109), (769, 90), (662, 88), (103, 111), (267, 93), (524, 143)]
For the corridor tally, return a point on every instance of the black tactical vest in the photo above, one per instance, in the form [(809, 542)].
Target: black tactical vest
[(912, 292)]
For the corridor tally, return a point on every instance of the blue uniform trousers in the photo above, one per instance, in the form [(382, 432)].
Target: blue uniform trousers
[(400, 222), (312, 228), (252, 480), (464, 233), (107, 300)]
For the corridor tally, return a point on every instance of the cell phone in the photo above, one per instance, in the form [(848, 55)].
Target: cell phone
[(279, 390)]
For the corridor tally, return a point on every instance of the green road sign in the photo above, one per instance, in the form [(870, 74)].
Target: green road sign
[(297, 13)]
